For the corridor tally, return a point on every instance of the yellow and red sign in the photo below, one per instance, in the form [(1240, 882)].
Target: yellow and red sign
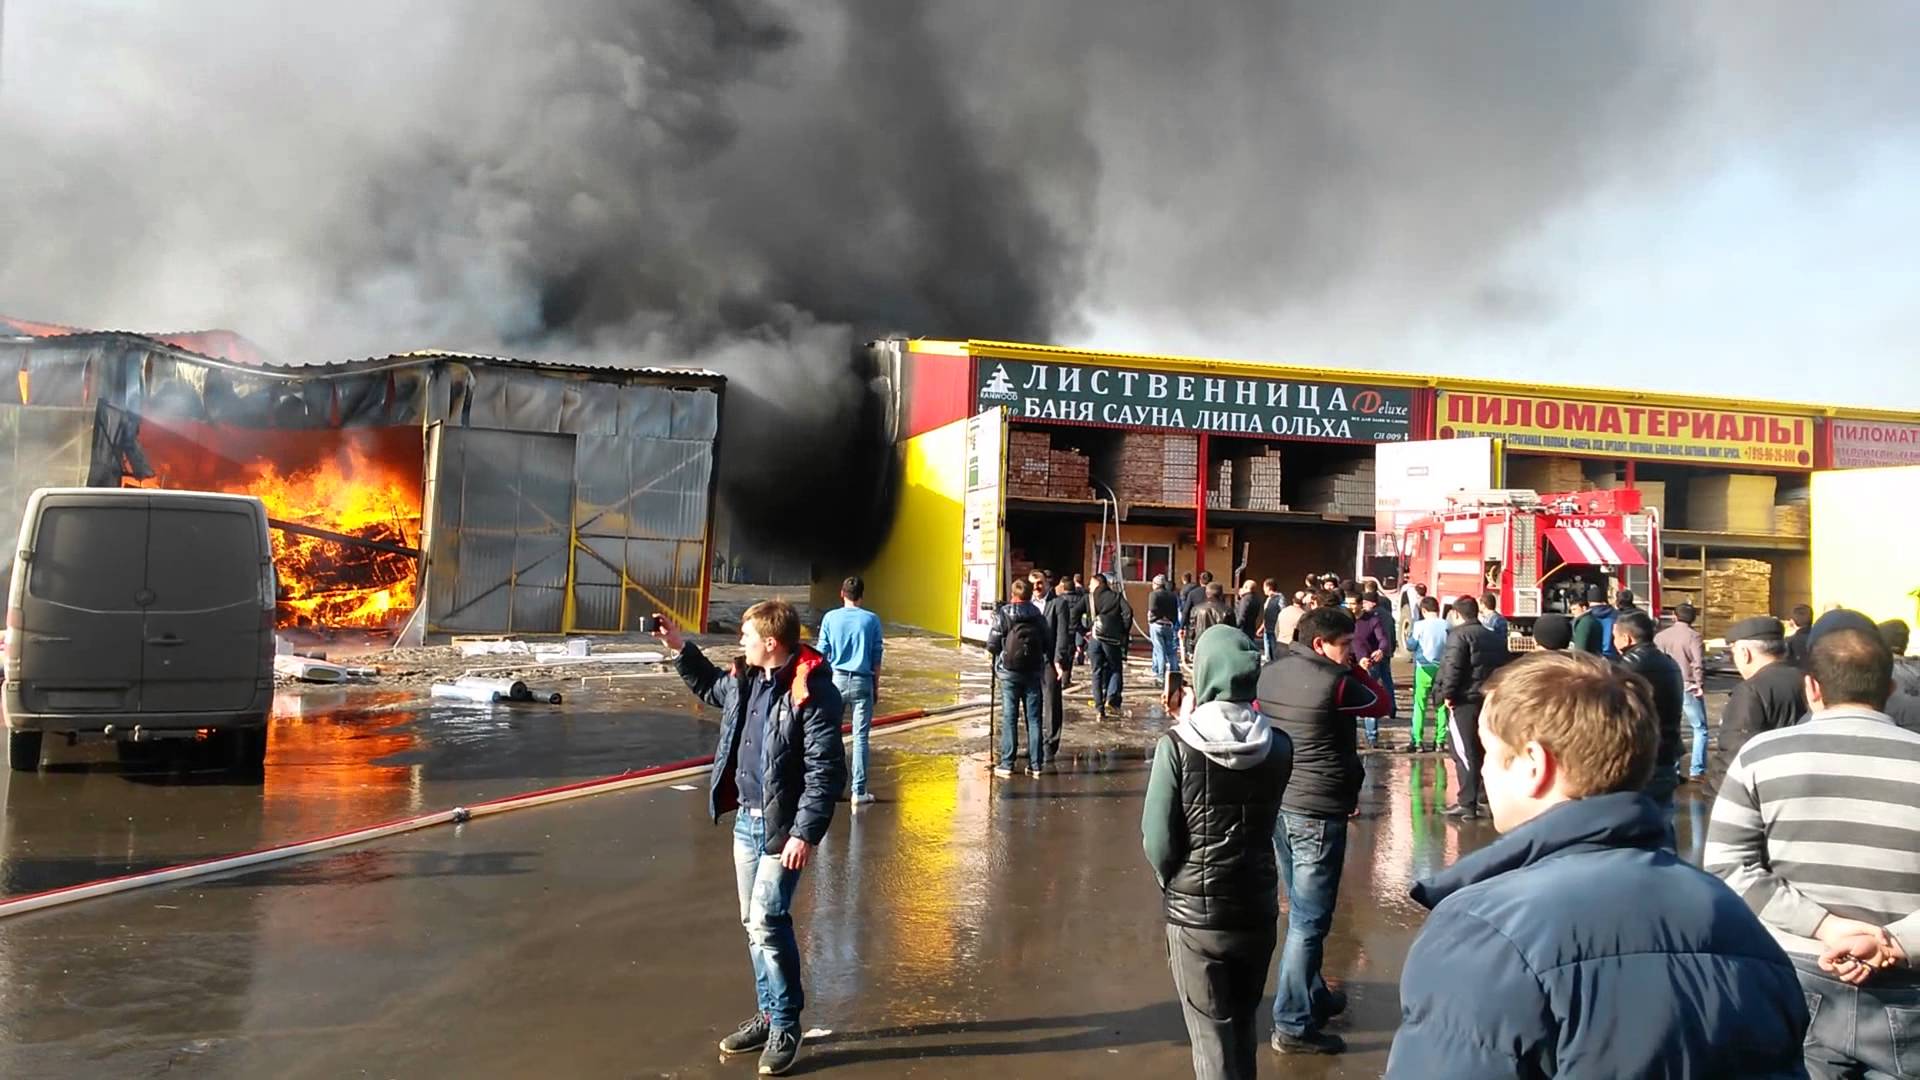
[(1557, 425)]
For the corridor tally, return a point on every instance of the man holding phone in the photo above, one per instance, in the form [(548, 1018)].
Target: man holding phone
[(781, 764)]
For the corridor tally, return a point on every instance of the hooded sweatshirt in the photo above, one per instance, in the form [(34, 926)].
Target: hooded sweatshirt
[(1214, 795)]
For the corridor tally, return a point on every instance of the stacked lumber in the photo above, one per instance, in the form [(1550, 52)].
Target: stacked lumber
[(1157, 469), (1348, 490), (1792, 519), (1067, 475), (1256, 482), (1220, 485), (1029, 460), (1546, 474), (1735, 589), (1731, 502)]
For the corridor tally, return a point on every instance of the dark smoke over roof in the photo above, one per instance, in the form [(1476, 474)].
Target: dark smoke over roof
[(759, 185)]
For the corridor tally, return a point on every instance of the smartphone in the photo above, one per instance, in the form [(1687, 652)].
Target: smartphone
[(1176, 685), (656, 624)]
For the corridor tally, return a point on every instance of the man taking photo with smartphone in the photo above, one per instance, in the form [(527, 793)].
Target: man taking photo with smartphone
[(781, 764)]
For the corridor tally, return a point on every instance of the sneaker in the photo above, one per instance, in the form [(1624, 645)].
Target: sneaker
[(1035, 773), (1467, 813), (1003, 772), (1430, 749), (1411, 748), (1313, 1042), (750, 1036), (863, 798), (783, 1049)]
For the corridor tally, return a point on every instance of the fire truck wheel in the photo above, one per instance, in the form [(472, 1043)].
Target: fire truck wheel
[(23, 750)]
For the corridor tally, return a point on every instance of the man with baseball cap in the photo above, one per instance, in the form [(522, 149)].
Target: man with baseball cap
[(1770, 694)]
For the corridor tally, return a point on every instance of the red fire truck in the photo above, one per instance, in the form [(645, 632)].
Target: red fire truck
[(1536, 553)]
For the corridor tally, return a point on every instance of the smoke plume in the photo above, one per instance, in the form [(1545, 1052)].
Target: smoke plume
[(759, 185)]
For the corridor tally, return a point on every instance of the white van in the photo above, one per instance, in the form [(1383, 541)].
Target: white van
[(140, 614)]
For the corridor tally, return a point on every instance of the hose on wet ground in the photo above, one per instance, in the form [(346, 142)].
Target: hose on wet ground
[(894, 723)]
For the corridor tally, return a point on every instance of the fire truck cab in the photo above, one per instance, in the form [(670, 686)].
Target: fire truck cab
[(1535, 553)]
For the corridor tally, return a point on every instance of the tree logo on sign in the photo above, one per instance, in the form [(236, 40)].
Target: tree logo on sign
[(998, 385)]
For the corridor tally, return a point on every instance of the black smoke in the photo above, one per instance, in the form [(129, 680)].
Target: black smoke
[(762, 185)]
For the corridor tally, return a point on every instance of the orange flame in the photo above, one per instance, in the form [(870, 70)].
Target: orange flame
[(327, 582)]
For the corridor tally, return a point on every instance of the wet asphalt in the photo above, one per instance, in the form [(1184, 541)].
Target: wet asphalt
[(960, 927)]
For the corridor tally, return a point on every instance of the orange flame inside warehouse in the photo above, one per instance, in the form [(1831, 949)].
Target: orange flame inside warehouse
[(328, 582), (354, 485)]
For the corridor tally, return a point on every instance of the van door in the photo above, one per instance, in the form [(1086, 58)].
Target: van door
[(205, 622), (81, 618)]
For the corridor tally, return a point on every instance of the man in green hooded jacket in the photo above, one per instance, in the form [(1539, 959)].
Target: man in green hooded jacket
[(1207, 827)]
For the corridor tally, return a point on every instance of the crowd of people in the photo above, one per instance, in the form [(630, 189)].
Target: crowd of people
[(1578, 943)]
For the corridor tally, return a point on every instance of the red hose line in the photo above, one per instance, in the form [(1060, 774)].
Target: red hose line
[(179, 871)]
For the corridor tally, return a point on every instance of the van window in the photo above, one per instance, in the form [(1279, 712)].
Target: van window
[(90, 557), (200, 559)]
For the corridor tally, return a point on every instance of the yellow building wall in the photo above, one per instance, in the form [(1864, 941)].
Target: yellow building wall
[(915, 579), (1864, 554)]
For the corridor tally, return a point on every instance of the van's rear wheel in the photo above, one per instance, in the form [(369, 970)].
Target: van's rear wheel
[(23, 750), (250, 750)]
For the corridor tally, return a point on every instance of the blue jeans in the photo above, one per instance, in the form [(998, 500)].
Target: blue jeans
[(1311, 851), (856, 692), (1166, 649), (1382, 673), (766, 910), (1871, 1030), (1019, 688), (1695, 710), (1109, 669)]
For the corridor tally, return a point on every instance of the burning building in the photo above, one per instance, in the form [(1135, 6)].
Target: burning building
[(436, 492)]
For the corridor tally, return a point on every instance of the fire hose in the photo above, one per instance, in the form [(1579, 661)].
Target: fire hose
[(458, 815)]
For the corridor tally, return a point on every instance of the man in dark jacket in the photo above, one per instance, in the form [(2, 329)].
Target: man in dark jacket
[(1081, 612), (1211, 611), (1112, 629), (781, 764), (1192, 595), (1577, 944), (1207, 827), (1270, 609), (1022, 647), (1246, 609), (1799, 641), (1633, 639), (1059, 671), (1772, 691), (1374, 644), (1593, 628), (1313, 692), (1163, 627), (1472, 655)]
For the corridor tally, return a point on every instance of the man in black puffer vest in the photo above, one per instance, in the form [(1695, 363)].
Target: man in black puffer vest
[(1208, 832), (1633, 639), (1313, 693)]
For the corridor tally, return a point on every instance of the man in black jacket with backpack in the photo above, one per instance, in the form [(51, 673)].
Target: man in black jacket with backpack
[(1112, 629), (1021, 646)]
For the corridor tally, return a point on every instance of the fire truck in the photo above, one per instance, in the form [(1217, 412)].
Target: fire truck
[(1535, 553)]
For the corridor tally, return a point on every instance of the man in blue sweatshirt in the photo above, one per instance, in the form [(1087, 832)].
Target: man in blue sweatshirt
[(851, 640), (1578, 944)]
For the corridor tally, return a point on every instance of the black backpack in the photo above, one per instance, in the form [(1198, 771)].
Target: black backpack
[(1021, 649)]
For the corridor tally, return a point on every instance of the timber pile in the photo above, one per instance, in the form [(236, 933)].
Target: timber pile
[(1349, 490), (1731, 502), (1067, 475), (1792, 519), (1546, 475), (1220, 485), (1029, 461), (1158, 470), (1256, 482), (1736, 589)]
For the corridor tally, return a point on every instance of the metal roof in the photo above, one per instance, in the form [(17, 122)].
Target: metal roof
[(290, 371)]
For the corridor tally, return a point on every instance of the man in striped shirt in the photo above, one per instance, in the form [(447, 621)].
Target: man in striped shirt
[(1817, 827)]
